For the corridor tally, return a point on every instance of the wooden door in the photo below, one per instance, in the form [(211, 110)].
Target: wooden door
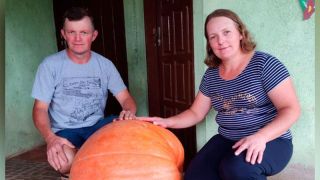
[(169, 42), (109, 21)]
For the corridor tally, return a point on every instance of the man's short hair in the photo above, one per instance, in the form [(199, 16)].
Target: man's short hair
[(76, 14)]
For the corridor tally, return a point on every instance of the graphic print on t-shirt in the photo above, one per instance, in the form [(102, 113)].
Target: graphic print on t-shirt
[(84, 94), (235, 104)]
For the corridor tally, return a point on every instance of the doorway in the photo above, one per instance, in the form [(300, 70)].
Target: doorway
[(170, 64)]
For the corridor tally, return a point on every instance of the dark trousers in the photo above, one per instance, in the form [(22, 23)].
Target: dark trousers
[(78, 136), (216, 160)]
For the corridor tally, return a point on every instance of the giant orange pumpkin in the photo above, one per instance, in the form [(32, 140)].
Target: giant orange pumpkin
[(129, 150)]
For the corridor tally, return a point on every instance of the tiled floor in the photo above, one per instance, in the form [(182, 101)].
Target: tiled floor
[(31, 165)]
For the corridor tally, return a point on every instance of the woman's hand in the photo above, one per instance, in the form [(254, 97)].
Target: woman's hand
[(156, 121), (255, 146)]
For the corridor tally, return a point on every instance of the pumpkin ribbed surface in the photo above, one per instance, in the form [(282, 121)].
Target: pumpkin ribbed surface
[(129, 149)]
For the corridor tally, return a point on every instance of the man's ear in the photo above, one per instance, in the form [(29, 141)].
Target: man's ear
[(95, 34), (62, 32)]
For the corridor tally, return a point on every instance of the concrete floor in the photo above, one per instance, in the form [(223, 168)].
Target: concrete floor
[(31, 165)]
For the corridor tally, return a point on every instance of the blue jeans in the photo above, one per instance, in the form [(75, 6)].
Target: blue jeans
[(78, 136), (216, 160)]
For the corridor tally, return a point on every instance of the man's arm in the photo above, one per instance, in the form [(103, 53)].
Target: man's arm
[(41, 119), (128, 105), (55, 152)]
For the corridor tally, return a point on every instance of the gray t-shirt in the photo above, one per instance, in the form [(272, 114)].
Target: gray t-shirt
[(76, 93)]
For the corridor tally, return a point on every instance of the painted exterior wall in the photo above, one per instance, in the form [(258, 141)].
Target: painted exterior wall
[(135, 43), (29, 37), (2, 89), (317, 65)]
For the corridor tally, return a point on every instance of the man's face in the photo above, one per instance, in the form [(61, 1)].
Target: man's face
[(79, 35)]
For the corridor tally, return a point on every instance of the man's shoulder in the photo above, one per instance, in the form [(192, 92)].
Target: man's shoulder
[(101, 59), (55, 58)]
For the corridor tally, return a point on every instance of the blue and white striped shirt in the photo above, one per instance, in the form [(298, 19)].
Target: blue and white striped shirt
[(242, 103)]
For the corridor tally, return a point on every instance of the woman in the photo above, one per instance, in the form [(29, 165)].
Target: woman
[(255, 101)]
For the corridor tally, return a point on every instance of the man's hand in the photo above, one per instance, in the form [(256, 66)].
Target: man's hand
[(55, 153), (126, 115), (255, 146), (128, 105)]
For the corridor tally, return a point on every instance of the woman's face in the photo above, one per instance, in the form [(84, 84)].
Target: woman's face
[(223, 37)]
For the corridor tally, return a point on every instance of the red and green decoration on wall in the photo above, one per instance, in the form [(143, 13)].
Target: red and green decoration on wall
[(308, 7)]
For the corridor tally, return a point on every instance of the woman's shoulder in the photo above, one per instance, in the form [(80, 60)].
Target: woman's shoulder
[(261, 57), (211, 70), (211, 73)]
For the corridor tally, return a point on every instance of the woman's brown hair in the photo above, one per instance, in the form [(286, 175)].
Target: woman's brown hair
[(246, 43)]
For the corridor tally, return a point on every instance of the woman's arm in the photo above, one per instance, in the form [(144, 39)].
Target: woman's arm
[(286, 102), (196, 113), (284, 98)]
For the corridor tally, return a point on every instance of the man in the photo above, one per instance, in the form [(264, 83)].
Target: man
[(70, 91)]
